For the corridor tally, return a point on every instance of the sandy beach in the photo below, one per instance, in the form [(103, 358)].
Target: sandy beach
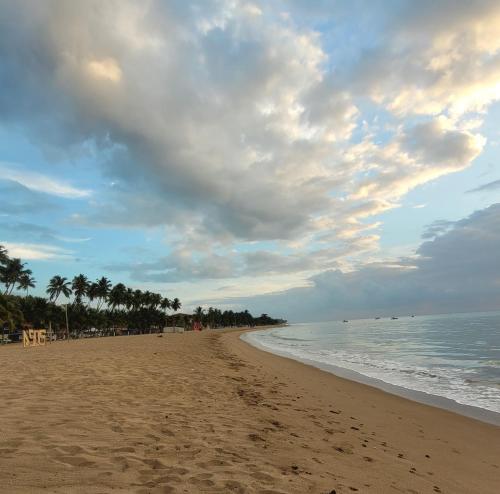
[(206, 412)]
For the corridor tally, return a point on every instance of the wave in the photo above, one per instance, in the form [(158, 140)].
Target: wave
[(459, 384)]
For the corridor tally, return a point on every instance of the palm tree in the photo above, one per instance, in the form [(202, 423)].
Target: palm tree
[(129, 298), (92, 292), (137, 299), (102, 291), (147, 298), (175, 305), (4, 257), (198, 313), (80, 285), (117, 296), (10, 273), (26, 281), (58, 285), (165, 304), (155, 300)]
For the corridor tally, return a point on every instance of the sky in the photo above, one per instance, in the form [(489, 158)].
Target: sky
[(310, 159)]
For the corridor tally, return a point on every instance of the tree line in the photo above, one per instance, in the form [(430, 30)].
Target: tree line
[(98, 307)]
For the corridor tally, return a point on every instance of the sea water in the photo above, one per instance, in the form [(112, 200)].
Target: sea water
[(454, 356)]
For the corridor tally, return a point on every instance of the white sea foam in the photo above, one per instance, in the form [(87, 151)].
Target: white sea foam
[(406, 354)]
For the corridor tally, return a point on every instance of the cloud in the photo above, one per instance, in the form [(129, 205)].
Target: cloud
[(436, 58), (18, 199), (40, 183), (432, 281), (106, 69), (36, 252), (185, 264), (486, 187), (179, 266), (228, 123), (433, 143), (437, 228), (242, 124)]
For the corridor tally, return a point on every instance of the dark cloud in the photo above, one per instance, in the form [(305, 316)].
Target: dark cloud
[(486, 187), (194, 138), (227, 122), (433, 144), (218, 111), (458, 270), (437, 228)]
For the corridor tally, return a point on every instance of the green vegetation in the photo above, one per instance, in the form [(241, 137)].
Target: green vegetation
[(98, 308)]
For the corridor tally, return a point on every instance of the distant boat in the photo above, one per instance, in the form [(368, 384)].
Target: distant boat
[(413, 315), (345, 320), (377, 318), (393, 317)]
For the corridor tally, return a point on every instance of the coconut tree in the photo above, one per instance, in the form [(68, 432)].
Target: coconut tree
[(175, 305), (137, 299), (80, 286), (117, 296), (92, 292), (129, 298), (58, 285), (198, 312), (26, 281), (155, 300), (102, 291), (4, 256), (211, 317), (147, 298), (165, 304), (10, 273)]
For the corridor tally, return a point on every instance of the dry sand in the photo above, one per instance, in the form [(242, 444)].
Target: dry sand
[(205, 412)]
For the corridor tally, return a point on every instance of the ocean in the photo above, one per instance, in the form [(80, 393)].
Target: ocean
[(450, 356)]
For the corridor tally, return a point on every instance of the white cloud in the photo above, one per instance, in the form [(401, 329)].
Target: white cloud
[(106, 69), (430, 281), (40, 183), (227, 122), (438, 57), (36, 252)]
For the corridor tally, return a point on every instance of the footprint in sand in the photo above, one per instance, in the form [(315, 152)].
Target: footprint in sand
[(268, 491), (6, 451), (213, 463), (234, 486), (124, 450), (201, 482), (154, 464), (75, 461), (263, 477)]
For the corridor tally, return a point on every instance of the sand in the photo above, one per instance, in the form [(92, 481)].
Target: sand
[(205, 412)]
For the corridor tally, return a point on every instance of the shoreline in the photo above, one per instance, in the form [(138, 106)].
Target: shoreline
[(404, 421), (208, 413), (437, 401)]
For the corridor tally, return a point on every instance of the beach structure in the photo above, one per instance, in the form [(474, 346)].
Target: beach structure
[(172, 329), (34, 337)]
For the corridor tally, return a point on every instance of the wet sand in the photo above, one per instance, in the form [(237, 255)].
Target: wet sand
[(206, 412)]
